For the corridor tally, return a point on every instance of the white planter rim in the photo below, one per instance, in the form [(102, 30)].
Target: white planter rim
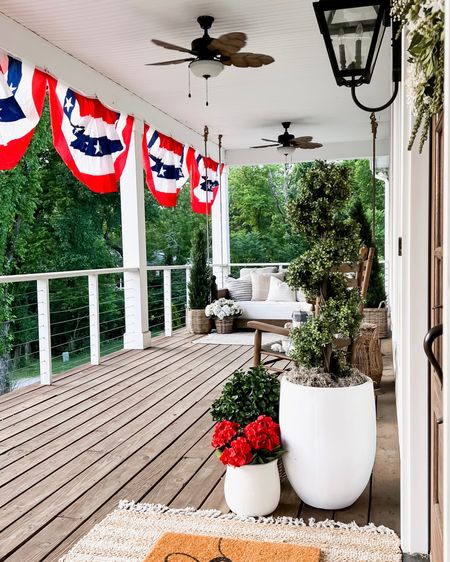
[(324, 388)]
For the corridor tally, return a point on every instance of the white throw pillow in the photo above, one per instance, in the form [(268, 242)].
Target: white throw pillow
[(301, 297), (261, 284), (249, 270), (280, 291)]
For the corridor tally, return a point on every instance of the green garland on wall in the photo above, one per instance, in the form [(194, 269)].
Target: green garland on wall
[(423, 20)]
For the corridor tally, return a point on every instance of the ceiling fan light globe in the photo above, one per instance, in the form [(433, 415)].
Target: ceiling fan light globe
[(206, 68), (286, 150)]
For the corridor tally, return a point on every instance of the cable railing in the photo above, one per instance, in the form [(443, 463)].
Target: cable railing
[(60, 320)]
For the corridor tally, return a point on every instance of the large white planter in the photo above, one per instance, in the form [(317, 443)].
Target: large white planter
[(330, 438), (253, 490)]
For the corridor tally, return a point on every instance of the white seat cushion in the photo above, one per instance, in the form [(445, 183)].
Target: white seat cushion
[(271, 310)]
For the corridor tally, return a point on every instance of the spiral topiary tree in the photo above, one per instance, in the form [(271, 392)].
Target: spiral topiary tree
[(318, 214)]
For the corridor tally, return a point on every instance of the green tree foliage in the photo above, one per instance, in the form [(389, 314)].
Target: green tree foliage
[(200, 281), (333, 239), (259, 229), (51, 222), (169, 230), (361, 177)]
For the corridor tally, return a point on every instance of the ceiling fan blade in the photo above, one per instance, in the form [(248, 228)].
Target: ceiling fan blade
[(165, 63), (253, 60), (301, 139), (171, 46), (229, 43), (269, 140), (266, 145), (309, 145)]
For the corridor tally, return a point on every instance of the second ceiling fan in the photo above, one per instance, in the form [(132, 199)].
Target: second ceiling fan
[(287, 143)]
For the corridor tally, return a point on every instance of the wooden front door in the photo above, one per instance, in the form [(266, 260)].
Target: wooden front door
[(435, 316)]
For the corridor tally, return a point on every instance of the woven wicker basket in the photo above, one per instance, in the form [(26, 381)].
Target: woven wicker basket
[(197, 321), (379, 317), (224, 326), (366, 353)]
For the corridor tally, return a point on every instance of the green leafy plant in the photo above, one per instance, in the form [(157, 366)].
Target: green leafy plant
[(200, 282), (424, 23), (318, 213), (248, 395)]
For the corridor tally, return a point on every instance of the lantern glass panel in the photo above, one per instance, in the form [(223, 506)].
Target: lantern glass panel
[(351, 31)]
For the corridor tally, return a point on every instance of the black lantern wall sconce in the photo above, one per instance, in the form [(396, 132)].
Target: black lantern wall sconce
[(353, 31)]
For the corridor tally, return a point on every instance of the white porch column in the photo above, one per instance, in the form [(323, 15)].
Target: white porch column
[(410, 288), (221, 232), (137, 335), (446, 287)]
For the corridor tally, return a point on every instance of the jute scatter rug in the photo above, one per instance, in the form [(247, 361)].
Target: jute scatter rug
[(130, 532)]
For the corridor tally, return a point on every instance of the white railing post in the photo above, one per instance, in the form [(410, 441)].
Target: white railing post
[(188, 279), (137, 335), (94, 319), (220, 220), (167, 302), (45, 345)]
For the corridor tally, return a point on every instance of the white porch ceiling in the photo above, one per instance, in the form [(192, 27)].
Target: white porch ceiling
[(113, 37)]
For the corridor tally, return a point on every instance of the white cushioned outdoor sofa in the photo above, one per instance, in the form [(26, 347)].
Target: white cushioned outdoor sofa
[(264, 295)]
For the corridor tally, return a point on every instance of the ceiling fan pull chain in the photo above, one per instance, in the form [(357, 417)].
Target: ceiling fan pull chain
[(206, 80), (189, 82)]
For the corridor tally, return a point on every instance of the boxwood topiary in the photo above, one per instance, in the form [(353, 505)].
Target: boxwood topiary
[(247, 395)]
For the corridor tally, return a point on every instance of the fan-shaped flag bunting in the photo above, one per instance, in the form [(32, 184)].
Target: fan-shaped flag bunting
[(91, 139), (165, 166), (22, 94), (204, 174)]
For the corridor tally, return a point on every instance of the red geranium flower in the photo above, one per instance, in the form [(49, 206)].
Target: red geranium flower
[(224, 433), (263, 433), (238, 453)]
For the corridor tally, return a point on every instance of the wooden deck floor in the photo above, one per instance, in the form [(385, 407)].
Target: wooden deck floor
[(137, 427)]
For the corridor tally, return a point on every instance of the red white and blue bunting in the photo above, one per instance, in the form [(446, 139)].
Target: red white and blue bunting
[(92, 140), (165, 166), (205, 181), (22, 94)]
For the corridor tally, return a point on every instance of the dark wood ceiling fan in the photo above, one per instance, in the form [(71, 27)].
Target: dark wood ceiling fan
[(288, 140), (225, 49)]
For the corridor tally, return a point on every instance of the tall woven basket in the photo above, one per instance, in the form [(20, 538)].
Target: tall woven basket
[(366, 353), (379, 317), (197, 321), (224, 326)]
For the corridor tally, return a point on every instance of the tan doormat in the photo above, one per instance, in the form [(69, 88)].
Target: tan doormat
[(128, 534), (175, 547)]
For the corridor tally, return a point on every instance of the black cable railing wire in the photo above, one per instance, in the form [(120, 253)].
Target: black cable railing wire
[(70, 321)]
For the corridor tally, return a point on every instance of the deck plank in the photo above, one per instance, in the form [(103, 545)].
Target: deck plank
[(142, 434), (97, 461), (113, 419), (57, 439)]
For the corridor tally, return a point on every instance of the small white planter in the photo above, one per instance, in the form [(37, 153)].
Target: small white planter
[(253, 490), (330, 438)]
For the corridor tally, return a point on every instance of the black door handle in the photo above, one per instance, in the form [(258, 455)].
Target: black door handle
[(434, 333)]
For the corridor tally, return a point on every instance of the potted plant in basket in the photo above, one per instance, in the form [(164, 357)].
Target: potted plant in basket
[(199, 287), (247, 440), (327, 408), (224, 312)]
